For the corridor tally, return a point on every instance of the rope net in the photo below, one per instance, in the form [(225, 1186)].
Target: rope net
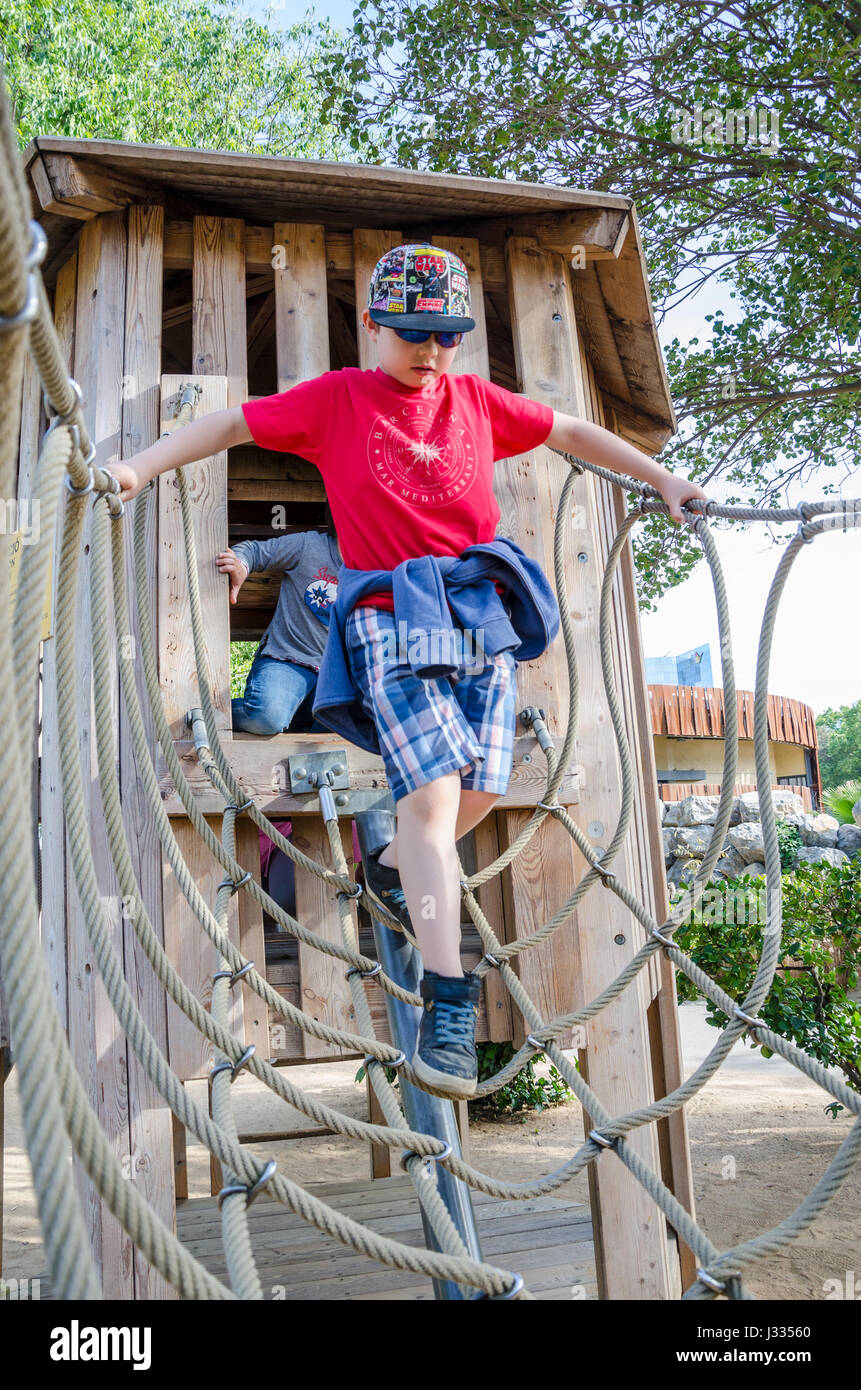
[(54, 1101)]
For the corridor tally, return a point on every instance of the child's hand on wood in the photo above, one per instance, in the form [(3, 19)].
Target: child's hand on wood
[(230, 564)]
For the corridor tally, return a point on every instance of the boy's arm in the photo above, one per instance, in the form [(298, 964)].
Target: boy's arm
[(212, 434), (597, 445), (278, 552)]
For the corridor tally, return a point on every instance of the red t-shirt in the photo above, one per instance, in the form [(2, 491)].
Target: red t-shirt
[(408, 471)]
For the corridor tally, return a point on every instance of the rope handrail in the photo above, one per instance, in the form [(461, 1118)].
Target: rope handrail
[(54, 1103)]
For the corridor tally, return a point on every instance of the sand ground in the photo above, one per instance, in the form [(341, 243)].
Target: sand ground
[(760, 1139)]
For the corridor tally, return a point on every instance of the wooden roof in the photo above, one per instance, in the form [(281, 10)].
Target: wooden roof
[(693, 711), (73, 180)]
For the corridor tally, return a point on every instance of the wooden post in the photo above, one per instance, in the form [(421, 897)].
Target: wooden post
[(150, 1153), (629, 1229)]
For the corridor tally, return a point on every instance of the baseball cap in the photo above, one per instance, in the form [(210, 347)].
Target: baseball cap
[(420, 286)]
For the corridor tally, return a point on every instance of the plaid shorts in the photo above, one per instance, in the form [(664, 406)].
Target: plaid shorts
[(429, 727)]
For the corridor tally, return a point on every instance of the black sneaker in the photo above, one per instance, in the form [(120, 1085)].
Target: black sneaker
[(386, 883), (445, 1050)]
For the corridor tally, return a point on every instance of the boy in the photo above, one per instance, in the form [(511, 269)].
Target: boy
[(282, 682), (407, 452)]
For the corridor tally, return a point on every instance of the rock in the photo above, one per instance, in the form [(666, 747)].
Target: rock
[(691, 841), (815, 854), (753, 871), (729, 865), (686, 869), (697, 810), (849, 839), (668, 834), (856, 812), (747, 839), (786, 803), (662, 809), (819, 830)]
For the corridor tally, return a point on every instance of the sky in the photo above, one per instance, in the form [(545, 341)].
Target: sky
[(815, 658)]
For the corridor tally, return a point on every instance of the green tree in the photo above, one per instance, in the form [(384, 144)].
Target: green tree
[(840, 744), (594, 97), (170, 72)]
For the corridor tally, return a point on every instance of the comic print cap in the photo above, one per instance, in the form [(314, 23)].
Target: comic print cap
[(420, 286)]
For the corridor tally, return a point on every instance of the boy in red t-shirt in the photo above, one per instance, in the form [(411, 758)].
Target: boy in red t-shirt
[(407, 453)]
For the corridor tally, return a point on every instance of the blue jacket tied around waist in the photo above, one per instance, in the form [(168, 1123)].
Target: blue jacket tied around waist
[(525, 619)]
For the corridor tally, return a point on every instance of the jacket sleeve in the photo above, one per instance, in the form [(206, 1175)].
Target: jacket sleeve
[(279, 553)]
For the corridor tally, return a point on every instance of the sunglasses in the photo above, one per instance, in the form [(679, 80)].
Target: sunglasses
[(418, 335)]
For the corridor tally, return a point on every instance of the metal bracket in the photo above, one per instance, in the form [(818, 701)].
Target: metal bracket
[(308, 772)]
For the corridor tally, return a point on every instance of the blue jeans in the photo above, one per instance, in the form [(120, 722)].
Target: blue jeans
[(278, 696)]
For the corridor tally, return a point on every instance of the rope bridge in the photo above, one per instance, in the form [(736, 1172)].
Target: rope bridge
[(54, 1101)]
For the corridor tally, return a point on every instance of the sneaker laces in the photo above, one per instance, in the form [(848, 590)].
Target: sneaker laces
[(454, 1022), (396, 895)]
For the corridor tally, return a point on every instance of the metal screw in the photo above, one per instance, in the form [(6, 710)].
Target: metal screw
[(596, 828), (557, 318), (527, 758), (341, 800), (302, 772), (619, 940), (582, 556), (338, 768)]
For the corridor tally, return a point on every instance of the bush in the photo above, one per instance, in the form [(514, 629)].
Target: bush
[(526, 1092), (840, 800), (821, 940), (789, 842), (241, 657)]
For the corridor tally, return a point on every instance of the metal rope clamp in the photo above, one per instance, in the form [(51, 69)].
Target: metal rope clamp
[(397, 1062), (606, 874), (234, 975), (116, 508), (354, 892), (232, 806), (34, 257), (710, 1282), (366, 974), (234, 886), (751, 1022), (536, 1042), (502, 1297), (253, 1190), (601, 1140), (229, 1066), (426, 1158), (665, 941)]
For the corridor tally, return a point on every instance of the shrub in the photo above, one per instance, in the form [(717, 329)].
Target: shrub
[(526, 1092), (840, 800), (789, 842), (821, 940)]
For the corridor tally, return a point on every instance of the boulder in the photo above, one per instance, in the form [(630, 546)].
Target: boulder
[(856, 812), (849, 839), (692, 810), (686, 869), (729, 865), (747, 839), (815, 854), (819, 830), (691, 841), (753, 871), (785, 803), (668, 835)]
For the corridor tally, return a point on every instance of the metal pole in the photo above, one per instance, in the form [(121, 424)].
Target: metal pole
[(425, 1113)]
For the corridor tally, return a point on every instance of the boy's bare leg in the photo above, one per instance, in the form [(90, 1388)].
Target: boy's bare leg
[(474, 806), (430, 820)]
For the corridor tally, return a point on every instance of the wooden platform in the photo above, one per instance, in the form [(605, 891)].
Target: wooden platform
[(547, 1239)]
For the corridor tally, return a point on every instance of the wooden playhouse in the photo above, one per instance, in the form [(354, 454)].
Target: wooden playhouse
[(243, 275)]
